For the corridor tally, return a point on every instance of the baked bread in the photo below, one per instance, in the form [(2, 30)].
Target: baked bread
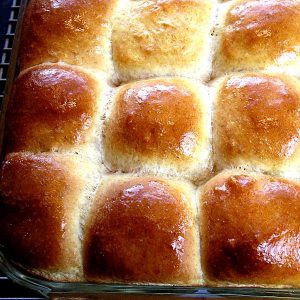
[(257, 122), (145, 132), (53, 107), (258, 34), (71, 31), (142, 230), (39, 213), (140, 137), (160, 38), (250, 230)]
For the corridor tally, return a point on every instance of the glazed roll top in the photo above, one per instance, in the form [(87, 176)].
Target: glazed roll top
[(39, 213), (160, 125), (258, 34), (257, 123), (159, 38), (53, 107), (142, 230), (73, 31), (250, 230)]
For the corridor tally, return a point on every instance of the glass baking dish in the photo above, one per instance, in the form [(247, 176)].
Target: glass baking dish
[(48, 288)]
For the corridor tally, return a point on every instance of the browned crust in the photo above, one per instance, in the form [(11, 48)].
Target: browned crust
[(159, 118), (52, 107), (257, 119), (73, 31), (140, 230), (250, 230), (157, 35), (39, 210), (258, 33)]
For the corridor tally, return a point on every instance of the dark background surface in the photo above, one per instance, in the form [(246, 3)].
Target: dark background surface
[(8, 290)]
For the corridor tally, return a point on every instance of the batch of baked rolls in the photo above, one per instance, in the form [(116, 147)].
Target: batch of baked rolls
[(155, 142)]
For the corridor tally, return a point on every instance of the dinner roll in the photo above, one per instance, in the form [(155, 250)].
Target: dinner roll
[(258, 34), (166, 37), (52, 107), (73, 31), (159, 125), (142, 230), (39, 213), (250, 230), (257, 123)]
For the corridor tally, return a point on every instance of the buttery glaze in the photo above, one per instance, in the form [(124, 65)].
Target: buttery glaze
[(259, 33), (251, 230), (156, 118), (52, 106), (161, 34), (257, 118), (140, 231), (73, 31), (37, 205)]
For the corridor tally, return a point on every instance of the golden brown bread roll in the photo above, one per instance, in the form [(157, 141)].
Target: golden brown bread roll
[(257, 123), (73, 31), (250, 230), (53, 107), (166, 37), (142, 230), (39, 213), (159, 125), (258, 34)]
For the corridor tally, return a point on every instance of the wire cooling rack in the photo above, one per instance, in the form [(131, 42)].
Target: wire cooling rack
[(7, 45), (8, 290)]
